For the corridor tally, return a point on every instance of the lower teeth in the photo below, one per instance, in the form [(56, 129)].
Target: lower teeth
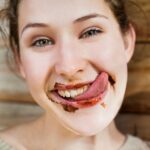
[(66, 98)]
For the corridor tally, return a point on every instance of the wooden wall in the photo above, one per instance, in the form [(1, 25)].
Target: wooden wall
[(135, 113), (138, 89)]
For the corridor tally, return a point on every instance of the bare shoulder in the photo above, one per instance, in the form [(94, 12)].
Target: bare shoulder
[(21, 136), (135, 143), (8, 138)]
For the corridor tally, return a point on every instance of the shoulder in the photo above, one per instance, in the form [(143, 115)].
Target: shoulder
[(5, 146), (134, 143), (9, 142), (20, 136)]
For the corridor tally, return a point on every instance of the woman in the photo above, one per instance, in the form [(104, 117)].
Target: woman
[(73, 56)]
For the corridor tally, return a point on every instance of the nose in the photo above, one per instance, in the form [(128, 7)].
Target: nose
[(70, 65)]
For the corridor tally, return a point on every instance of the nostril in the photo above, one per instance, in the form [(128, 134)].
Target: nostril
[(80, 70)]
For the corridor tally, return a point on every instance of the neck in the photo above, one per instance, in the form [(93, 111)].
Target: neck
[(55, 136)]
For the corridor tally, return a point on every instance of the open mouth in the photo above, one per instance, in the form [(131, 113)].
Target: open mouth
[(84, 95)]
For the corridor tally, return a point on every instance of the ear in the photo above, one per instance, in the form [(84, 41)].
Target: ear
[(129, 39)]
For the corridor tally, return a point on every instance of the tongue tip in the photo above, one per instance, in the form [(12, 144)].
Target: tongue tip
[(97, 87)]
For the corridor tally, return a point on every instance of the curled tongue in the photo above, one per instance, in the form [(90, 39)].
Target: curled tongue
[(97, 87)]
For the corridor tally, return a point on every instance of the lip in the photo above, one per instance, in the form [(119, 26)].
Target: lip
[(77, 104), (71, 103), (59, 86)]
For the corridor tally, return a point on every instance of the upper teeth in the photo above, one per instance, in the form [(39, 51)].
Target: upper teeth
[(73, 92)]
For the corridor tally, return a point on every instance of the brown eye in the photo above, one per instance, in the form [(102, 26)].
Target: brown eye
[(42, 42), (90, 32)]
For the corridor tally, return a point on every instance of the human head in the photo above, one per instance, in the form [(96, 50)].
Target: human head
[(95, 55)]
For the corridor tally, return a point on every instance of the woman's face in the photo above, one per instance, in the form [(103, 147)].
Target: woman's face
[(70, 48)]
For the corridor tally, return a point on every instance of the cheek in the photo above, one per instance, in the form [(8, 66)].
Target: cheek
[(108, 54), (36, 68)]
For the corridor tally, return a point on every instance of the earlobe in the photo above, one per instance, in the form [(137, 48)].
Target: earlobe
[(130, 39)]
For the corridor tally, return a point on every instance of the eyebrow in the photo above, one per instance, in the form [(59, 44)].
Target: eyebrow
[(81, 19), (34, 25), (90, 16)]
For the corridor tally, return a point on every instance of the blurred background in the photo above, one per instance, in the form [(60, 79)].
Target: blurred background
[(17, 106)]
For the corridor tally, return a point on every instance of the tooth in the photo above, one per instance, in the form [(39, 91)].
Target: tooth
[(73, 93), (61, 93), (85, 88), (80, 90), (67, 94)]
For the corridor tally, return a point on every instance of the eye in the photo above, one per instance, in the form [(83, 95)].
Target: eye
[(42, 42), (90, 32)]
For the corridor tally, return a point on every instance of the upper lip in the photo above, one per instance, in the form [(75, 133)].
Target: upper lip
[(60, 86)]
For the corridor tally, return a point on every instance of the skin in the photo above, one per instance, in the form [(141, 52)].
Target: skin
[(68, 59)]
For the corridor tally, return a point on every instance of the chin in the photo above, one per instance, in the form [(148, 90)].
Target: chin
[(89, 129)]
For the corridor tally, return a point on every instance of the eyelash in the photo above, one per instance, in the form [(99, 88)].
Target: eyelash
[(90, 32), (45, 42), (42, 42)]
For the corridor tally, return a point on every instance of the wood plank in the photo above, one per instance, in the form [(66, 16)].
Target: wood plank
[(12, 87), (135, 124), (141, 58), (140, 14), (138, 87), (17, 113), (138, 103), (139, 81)]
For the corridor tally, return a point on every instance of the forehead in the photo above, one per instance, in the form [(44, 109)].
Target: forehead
[(62, 10)]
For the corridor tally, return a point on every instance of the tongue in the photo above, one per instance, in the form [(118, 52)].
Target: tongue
[(97, 87)]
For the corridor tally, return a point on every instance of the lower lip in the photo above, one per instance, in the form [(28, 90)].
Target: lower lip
[(54, 96)]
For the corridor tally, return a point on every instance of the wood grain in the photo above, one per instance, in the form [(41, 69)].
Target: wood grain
[(134, 124)]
